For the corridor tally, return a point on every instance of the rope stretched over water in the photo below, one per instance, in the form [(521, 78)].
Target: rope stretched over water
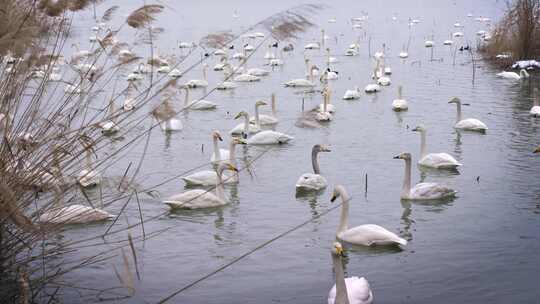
[(239, 258)]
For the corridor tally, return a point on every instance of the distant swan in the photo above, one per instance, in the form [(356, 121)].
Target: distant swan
[(199, 83), (209, 177), (198, 198), (400, 104), (513, 75), (434, 160), (266, 120), (469, 124), (422, 191), (73, 214), (535, 110), (352, 290), (199, 105), (366, 235), (313, 181)]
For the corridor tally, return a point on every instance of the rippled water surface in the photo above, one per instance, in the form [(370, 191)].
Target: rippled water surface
[(481, 247)]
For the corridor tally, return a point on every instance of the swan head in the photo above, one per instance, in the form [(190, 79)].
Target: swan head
[(321, 148), (419, 128), (260, 103), (537, 150), (336, 193), (404, 156), (217, 135), (455, 100), (337, 249), (241, 114)]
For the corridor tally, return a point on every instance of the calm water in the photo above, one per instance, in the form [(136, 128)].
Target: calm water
[(481, 247)]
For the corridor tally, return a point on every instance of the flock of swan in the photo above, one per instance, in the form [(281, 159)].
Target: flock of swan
[(259, 129)]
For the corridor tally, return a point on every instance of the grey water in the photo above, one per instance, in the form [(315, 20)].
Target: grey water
[(481, 247)]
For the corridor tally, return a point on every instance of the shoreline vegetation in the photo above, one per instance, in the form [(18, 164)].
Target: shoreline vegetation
[(57, 117), (517, 35)]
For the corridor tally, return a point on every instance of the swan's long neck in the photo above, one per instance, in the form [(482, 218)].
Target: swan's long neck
[(217, 154), (58, 201), (232, 153), (204, 72), (311, 74), (341, 288), (343, 222), (400, 92), (422, 144), (315, 161), (535, 99), (186, 102), (219, 184), (111, 111), (406, 188), (325, 103), (458, 107), (274, 112), (246, 125), (257, 122)]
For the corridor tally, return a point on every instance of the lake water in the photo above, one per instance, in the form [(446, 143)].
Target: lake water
[(481, 247)]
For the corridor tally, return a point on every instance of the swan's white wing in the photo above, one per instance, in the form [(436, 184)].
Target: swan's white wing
[(75, 214), (202, 105), (351, 94), (358, 291), (194, 199), (439, 160), (372, 88), (205, 178), (509, 75), (472, 124), (426, 191), (329, 108), (310, 181), (269, 137), (400, 104), (535, 111), (264, 120), (370, 234), (300, 82), (239, 129)]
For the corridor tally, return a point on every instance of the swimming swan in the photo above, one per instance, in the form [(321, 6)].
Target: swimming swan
[(469, 124), (352, 290), (422, 191), (198, 198), (313, 181), (366, 235), (209, 177), (400, 104), (434, 160)]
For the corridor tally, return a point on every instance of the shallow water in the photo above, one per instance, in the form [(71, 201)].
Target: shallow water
[(480, 247)]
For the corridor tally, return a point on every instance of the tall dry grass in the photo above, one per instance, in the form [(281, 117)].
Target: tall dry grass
[(518, 33)]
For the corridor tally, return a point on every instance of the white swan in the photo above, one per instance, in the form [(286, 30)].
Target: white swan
[(324, 113), (257, 72), (313, 181), (210, 177), (352, 290), (434, 160), (246, 127), (268, 120), (199, 83), (422, 191), (535, 110), (198, 105), (429, 43), (400, 104), (219, 155), (523, 74), (469, 124), (171, 124), (373, 87), (73, 214), (267, 137), (87, 177), (110, 127), (352, 94), (403, 54), (198, 198), (366, 235), (246, 78), (326, 106), (299, 82)]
